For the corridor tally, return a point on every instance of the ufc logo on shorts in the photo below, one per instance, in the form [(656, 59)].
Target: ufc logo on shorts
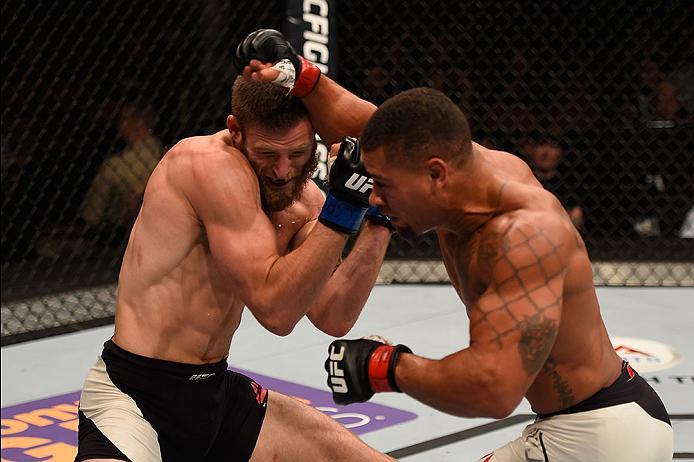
[(337, 380), (359, 183)]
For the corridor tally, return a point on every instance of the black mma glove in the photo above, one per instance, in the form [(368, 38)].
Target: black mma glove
[(350, 187), (297, 74), (359, 368)]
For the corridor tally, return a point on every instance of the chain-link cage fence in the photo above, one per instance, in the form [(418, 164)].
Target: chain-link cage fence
[(596, 97)]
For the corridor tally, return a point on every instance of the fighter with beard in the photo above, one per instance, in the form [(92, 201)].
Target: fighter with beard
[(231, 220)]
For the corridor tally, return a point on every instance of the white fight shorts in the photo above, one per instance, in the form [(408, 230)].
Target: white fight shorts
[(625, 422)]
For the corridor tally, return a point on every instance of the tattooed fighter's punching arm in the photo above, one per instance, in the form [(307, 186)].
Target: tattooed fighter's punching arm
[(513, 322)]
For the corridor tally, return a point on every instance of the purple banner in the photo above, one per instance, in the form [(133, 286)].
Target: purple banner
[(46, 430), (359, 417)]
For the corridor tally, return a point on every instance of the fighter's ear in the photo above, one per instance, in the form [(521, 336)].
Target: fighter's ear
[(234, 129), (436, 169)]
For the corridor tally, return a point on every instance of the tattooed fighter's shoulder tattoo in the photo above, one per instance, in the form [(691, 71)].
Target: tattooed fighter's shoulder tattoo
[(525, 264), (490, 246), (537, 334)]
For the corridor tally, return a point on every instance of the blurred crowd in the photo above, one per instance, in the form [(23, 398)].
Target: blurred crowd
[(605, 121), (617, 155)]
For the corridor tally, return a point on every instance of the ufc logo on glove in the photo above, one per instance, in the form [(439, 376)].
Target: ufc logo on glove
[(336, 375), (359, 368), (359, 183)]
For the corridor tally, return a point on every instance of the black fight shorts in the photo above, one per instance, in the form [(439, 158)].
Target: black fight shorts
[(143, 409)]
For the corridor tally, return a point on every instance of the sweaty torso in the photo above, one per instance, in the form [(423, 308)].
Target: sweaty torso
[(173, 302), (582, 359)]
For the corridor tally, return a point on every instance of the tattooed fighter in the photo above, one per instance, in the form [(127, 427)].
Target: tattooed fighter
[(523, 273), (517, 263)]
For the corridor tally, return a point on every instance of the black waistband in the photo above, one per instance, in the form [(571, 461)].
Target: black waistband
[(113, 351), (625, 389)]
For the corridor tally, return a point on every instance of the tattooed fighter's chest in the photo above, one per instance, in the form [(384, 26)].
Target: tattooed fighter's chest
[(461, 258)]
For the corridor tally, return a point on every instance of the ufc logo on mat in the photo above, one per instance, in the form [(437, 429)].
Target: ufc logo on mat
[(337, 380), (359, 183)]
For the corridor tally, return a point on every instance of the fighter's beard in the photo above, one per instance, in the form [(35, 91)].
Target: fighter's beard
[(273, 200)]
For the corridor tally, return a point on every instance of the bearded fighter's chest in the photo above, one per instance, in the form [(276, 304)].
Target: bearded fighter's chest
[(461, 260), (286, 228)]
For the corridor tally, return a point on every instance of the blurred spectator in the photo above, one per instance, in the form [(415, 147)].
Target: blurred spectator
[(683, 79), (545, 155), (649, 196), (687, 230), (511, 98), (115, 194), (657, 103), (13, 162), (18, 166), (377, 84), (446, 70)]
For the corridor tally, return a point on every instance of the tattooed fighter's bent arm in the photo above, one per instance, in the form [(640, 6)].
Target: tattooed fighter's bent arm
[(513, 325)]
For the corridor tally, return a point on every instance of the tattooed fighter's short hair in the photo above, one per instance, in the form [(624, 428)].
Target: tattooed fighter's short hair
[(417, 124)]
